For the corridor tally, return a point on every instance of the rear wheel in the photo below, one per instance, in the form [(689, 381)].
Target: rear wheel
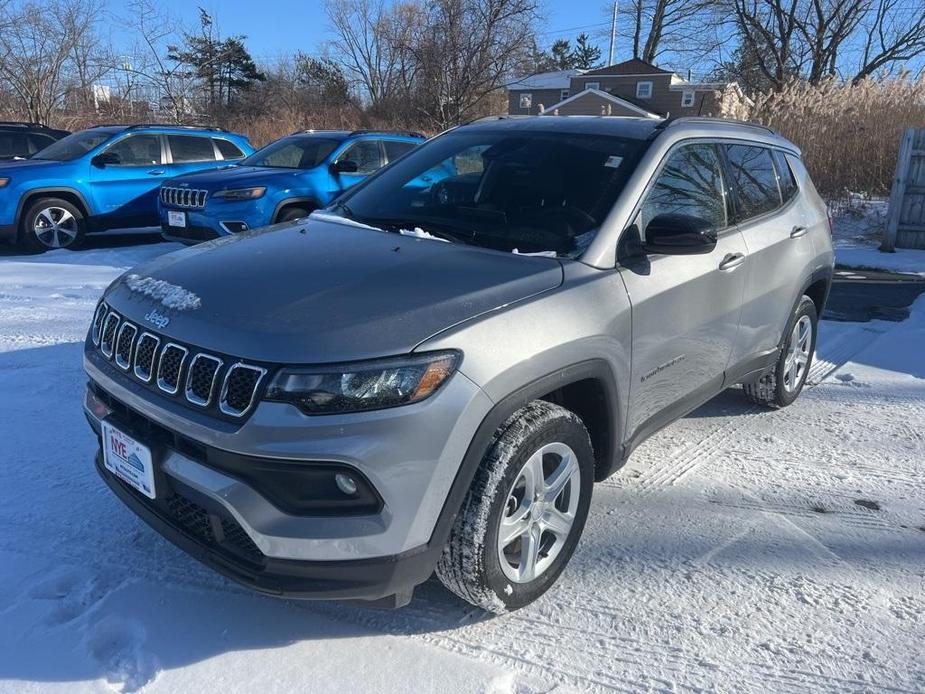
[(52, 223), (782, 385), (525, 511)]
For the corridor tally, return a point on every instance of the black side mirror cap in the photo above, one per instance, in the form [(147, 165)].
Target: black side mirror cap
[(344, 166), (679, 234), (101, 160)]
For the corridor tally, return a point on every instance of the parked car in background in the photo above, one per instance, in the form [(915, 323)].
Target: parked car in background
[(103, 178), (19, 140), (285, 180), (428, 378)]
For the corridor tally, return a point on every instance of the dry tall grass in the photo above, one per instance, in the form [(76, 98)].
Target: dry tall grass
[(849, 134)]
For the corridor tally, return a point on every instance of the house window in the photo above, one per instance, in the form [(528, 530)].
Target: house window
[(592, 85), (687, 98), (563, 95), (643, 90), (526, 100)]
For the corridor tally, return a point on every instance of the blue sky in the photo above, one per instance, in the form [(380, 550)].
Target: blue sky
[(280, 27)]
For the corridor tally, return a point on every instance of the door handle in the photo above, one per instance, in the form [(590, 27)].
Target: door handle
[(156, 172), (797, 232), (731, 261)]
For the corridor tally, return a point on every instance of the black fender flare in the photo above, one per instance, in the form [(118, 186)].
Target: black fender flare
[(291, 201), (49, 191), (597, 369)]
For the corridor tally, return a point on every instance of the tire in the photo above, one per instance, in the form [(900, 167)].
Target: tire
[(290, 214), (784, 383), (65, 224), (471, 563)]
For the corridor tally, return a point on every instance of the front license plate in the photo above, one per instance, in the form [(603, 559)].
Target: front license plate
[(129, 460), (176, 219)]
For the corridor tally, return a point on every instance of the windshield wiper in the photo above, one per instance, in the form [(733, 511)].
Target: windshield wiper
[(398, 226)]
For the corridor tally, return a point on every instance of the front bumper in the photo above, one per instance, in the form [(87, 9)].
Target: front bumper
[(216, 219)]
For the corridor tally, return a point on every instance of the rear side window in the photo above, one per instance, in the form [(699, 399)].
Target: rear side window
[(394, 149), (228, 149), (788, 184), (187, 148), (13, 145), (755, 179), (691, 183)]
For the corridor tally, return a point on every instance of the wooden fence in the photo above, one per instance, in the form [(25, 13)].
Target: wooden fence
[(905, 222)]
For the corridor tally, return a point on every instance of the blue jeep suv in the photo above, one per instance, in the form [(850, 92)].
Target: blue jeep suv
[(102, 178), (285, 180)]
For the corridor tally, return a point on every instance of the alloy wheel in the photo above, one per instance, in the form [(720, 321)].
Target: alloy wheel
[(539, 512), (798, 354), (55, 227)]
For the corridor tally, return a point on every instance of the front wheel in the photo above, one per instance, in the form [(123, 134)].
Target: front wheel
[(782, 385), (52, 223), (523, 516)]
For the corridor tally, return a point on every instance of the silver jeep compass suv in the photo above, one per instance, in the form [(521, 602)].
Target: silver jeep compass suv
[(431, 374)]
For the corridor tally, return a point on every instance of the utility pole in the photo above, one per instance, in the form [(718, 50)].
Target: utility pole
[(613, 33)]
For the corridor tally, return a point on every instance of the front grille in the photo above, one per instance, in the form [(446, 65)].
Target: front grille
[(170, 367), (200, 382), (186, 373), (184, 197), (124, 344), (239, 388), (144, 356)]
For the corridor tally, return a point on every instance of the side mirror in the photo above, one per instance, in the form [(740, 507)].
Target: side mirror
[(101, 160), (679, 234), (344, 166)]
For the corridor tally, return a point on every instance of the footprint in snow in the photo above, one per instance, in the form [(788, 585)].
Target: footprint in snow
[(117, 647), (72, 593)]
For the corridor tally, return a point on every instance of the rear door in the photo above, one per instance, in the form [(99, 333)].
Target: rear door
[(126, 191), (775, 227), (685, 308)]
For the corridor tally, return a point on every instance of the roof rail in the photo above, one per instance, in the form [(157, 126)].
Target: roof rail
[(377, 131), (24, 124), (138, 126), (668, 122)]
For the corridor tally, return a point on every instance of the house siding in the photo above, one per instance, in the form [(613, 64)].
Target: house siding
[(593, 105), (541, 97)]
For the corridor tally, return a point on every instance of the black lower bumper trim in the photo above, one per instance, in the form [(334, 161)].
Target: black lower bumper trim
[(388, 580)]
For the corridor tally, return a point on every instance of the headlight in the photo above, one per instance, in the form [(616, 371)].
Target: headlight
[(369, 385), (4, 182), (241, 193)]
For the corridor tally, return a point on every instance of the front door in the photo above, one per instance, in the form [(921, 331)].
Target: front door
[(685, 308), (125, 187), (367, 155)]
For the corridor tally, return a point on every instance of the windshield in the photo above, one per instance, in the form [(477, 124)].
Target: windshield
[(293, 153), (529, 192), (75, 145)]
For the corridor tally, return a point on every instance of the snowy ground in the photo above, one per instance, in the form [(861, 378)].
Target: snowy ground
[(740, 550), (857, 233)]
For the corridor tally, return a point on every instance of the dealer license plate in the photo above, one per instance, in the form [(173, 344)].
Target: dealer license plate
[(128, 459), (176, 219)]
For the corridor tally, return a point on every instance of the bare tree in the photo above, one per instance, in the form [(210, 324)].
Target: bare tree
[(670, 26), (46, 50)]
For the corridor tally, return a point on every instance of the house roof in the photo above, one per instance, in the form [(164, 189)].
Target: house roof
[(633, 66), (559, 79), (607, 97)]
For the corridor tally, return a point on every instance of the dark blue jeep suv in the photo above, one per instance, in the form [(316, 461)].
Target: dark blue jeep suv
[(285, 180), (103, 178)]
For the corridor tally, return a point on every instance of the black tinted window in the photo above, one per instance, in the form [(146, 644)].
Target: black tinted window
[(13, 145), (691, 183), (40, 142), (755, 178), (229, 150), (137, 150), (788, 184), (394, 149), (186, 148)]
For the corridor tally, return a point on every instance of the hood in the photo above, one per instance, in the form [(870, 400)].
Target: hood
[(9, 164), (234, 177), (322, 291)]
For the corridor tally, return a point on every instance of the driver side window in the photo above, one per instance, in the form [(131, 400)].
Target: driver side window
[(690, 183), (366, 154), (137, 150)]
